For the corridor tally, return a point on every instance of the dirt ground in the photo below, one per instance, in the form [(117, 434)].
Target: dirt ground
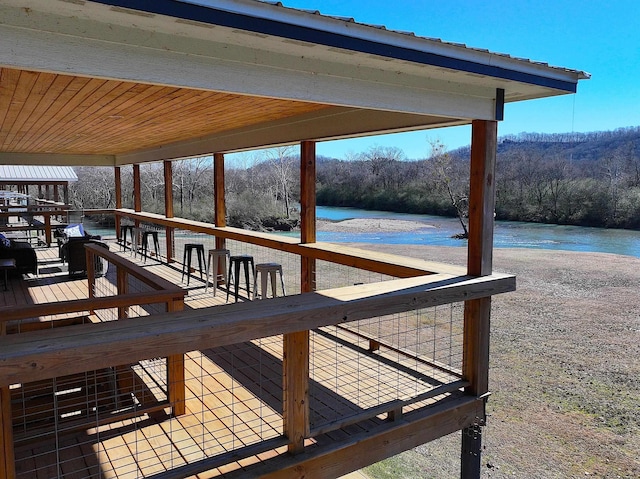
[(565, 371)]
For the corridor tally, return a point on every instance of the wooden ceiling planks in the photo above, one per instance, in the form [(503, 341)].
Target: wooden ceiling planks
[(51, 113)]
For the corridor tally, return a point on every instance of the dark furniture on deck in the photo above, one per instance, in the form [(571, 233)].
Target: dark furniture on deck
[(74, 253), (23, 253)]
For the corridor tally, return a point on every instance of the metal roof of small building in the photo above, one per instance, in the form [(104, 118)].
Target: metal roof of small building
[(37, 174)]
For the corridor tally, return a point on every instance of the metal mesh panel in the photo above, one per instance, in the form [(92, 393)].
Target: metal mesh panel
[(383, 364)]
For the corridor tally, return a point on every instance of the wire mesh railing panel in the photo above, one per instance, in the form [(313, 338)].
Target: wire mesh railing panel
[(290, 263), (332, 275), (381, 364)]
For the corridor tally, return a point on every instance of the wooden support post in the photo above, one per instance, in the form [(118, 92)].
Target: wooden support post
[(7, 457), (56, 194), (168, 209), (137, 196), (477, 313), (177, 391), (220, 208), (117, 177), (65, 193), (48, 237), (296, 345), (308, 210), (122, 287)]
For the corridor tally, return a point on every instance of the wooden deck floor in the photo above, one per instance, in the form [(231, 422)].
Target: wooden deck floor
[(234, 397)]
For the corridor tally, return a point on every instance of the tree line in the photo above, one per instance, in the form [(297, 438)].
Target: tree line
[(579, 179)]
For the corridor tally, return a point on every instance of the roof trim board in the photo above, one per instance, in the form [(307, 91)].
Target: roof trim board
[(267, 26)]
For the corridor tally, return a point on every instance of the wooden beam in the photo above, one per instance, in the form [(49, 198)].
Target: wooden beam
[(7, 461), (177, 389), (367, 447), (41, 355), (220, 213), (137, 196), (220, 202), (168, 188), (168, 209), (117, 177), (477, 312), (296, 389), (308, 192), (482, 196), (296, 345)]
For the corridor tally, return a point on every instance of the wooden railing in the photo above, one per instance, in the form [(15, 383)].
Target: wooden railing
[(420, 284), (392, 265), (41, 317)]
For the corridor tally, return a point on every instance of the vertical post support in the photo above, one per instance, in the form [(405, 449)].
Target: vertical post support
[(220, 203), (117, 178), (175, 371), (137, 198), (122, 286), (168, 208), (7, 457), (477, 313), (296, 345), (56, 193)]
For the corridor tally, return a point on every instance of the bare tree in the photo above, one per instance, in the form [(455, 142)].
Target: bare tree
[(282, 168), (449, 178)]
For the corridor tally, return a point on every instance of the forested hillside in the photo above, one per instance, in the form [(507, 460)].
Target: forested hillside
[(590, 179)]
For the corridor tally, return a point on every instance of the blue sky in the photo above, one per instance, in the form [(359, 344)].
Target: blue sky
[(597, 36)]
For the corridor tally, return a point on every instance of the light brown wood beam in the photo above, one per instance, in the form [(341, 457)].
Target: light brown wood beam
[(168, 208), (220, 204), (117, 178), (477, 312)]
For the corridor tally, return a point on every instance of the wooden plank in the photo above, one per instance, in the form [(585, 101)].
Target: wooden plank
[(334, 459), (41, 354), (52, 305), (137, 195)]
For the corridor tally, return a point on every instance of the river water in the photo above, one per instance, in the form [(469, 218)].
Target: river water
[(438, 231), (507, 234)]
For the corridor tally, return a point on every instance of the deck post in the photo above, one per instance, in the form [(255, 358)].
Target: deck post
[(168, 209), (296, 345), (477, 313), (176, 389), (117, 177), (220, 205), (7, 457), (137, 196)]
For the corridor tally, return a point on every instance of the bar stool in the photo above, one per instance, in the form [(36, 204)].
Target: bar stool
[(145, 244), (264, 271), (234, 264), (186, 259), (218, 256), (124, 229)]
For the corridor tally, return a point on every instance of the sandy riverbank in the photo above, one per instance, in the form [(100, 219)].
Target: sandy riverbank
[(363, 225)]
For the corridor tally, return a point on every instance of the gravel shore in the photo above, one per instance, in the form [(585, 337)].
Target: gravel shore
[(565, 373)]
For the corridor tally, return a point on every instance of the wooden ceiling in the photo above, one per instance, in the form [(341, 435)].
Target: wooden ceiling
[(65, 114)]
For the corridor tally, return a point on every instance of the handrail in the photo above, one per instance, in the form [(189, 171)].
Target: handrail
[(164, 291), (150, 279), (74, 349), (17, 313), (383, 263)]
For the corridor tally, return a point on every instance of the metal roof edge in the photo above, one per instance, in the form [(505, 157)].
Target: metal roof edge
[(276, 20)]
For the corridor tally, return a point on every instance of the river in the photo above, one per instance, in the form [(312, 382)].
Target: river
[(507, 234)]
